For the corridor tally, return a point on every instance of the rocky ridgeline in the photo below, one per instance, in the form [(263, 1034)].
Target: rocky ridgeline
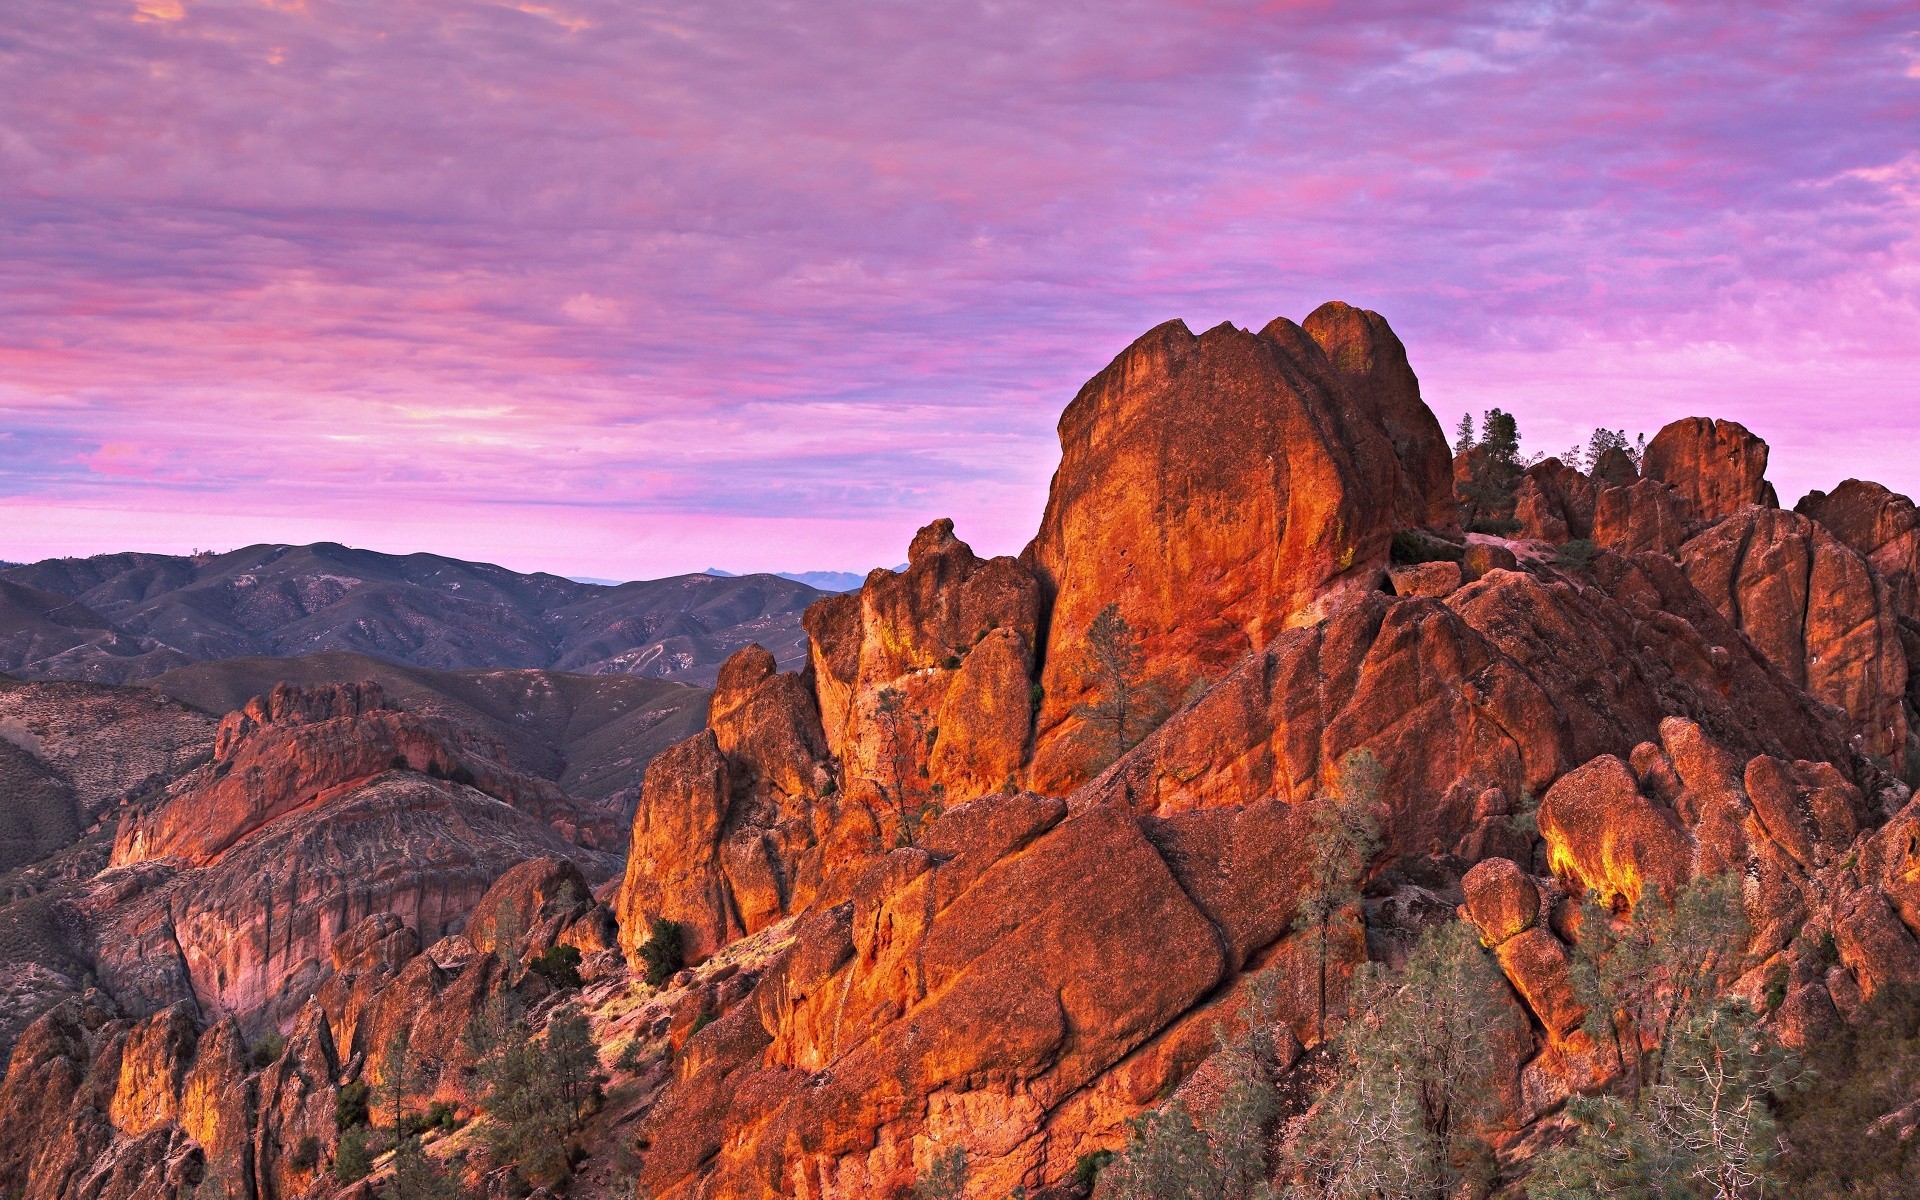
[(941, 891)]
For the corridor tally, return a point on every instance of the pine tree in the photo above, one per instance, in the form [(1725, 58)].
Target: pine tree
[(1417, 1067), (1463, 436), (1343, 835), (415, 1176), (537, 1093), (1125, 704), (1693, 1118)]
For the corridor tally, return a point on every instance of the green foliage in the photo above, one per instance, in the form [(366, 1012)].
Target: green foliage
[(1173, 1156), (951, 662), (353, 1161), (537, 1093), (1644, 983), (1843, 1142), (1343, 835), (559, 966), (661, 952), (1463, 435), (1411, 547), (351, 1106), (945, 1179), (1705, 1131), (701, 1022), (1694, 1117), (1494, 468), (268, 1050), (416, 1176), (440, 1115), (1087, 1169), (900, 733), (1416, 1072), (306, 1154), (1036, 696), (1577, 554)]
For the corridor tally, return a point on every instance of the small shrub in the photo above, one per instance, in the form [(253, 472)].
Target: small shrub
[(1087, 1169), (440, 1116), (306, 1155), (1495, 526), (1578, 554), (662, 951), (268, 1050), (702, 1021), (1036, 694), (632, 1058), (946, 1178), (1410, 548), (559, 966), (951, 662), (352, 1108), (353, 1161)]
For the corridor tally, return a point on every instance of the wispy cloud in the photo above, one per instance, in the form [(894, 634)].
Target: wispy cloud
[(658, 280)]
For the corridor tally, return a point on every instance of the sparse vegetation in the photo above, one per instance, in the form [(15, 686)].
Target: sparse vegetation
[(537, 1093), (351, 1106), (1494, 469), (661, 953), (353, 1161), (1125, 704), (1577, 554), (1343, 836), (268, 1050), (945, 1179), (1417, 1073), (1692, 1115), (559, 966), (1174, 1156)]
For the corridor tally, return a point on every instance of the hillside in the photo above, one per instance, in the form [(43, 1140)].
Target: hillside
[(117, 618), (591, 734)]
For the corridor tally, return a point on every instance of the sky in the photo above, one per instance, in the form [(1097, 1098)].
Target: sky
[(623, 289)]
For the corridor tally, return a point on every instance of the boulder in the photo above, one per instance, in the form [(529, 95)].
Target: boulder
[(1603, 836), (1501, 900), (1716, 467)]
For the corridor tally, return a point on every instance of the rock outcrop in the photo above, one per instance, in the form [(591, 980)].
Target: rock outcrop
[(1717, 467), (1211, 489), (1817, 610), (736, 825)]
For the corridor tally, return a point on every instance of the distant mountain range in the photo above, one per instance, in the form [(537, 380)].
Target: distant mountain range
[(826, 581), (121, 618)]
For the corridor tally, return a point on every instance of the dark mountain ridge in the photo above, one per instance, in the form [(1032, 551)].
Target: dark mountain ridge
[(120, 618)]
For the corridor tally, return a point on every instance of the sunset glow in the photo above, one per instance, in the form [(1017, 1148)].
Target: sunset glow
[(624, 290)]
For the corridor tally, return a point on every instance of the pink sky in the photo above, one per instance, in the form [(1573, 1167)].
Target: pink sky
[(625, 289)]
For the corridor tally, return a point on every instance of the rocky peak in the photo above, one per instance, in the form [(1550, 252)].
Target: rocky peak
[(1718, 467), (1212, 488), (288, 705)]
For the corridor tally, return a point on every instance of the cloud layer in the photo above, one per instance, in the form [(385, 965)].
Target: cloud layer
[(623, 288)]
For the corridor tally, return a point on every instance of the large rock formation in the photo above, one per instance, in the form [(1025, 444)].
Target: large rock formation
[(736, 826), (1717, 467), (1211, 488), (320, 808), (1816, 609)]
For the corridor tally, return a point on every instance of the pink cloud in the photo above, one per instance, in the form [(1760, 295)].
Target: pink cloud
[(786, 282)]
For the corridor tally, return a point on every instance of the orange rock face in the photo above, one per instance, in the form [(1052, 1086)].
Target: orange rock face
[(925, 677), (1815, 608), (1880, 524), (1602, 833), (1717, 467), (978, 984), (735, 823), (1212, 487)]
